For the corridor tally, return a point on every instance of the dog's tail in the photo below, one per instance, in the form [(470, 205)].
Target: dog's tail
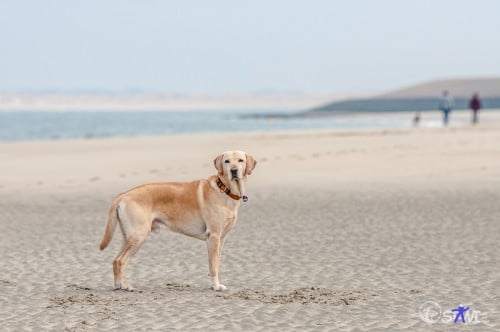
[(113, 219)]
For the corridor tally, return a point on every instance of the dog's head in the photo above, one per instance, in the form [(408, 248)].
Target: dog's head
[(234, 165)]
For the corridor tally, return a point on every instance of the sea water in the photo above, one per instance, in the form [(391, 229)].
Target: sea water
[(24, 126)]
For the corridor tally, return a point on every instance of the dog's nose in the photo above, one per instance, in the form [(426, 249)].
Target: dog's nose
[(234, 173)]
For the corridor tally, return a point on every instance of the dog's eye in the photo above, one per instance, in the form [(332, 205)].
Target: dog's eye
[(241, 160), (226, 161)]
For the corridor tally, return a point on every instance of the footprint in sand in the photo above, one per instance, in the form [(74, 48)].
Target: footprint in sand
[(4, 282), (296, 157), (305, 296)]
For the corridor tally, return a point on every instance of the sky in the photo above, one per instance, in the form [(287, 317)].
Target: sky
[(218, 47)]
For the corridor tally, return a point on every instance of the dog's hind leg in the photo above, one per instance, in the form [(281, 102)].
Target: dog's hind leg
[(121, 261), (117, 266), (135, 229)]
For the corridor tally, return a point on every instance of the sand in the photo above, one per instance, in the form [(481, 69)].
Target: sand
[(343, 230), (164, 101)]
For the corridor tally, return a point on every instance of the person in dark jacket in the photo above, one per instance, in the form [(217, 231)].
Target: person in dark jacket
[(475, 105)]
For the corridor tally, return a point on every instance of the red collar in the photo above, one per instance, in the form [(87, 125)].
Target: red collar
[(227, 191)]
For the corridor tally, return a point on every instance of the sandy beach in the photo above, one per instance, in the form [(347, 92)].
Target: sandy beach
[(344, 230)]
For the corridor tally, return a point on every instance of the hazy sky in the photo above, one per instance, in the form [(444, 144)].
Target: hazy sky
[(244, 46)]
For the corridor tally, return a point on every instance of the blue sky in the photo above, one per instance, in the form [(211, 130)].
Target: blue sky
[(244, 46)]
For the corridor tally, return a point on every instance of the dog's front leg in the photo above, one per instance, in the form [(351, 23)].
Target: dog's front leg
[(221, 247), (214, 247)]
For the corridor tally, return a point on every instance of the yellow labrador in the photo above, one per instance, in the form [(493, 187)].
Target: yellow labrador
[(204, 209)]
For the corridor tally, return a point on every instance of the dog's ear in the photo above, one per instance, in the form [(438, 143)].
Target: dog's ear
[(251, 162), (218, 163)]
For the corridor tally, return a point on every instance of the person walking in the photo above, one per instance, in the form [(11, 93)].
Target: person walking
[(475, 105), (446, 105), (416, 119)]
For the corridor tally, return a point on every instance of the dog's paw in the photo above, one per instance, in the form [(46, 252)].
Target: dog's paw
[(219, 288), (127, 288)]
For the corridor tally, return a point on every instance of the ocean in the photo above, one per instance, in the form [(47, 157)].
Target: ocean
[(29, 126)]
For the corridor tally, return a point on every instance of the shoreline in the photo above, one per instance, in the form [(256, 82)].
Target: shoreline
[(243, 124)]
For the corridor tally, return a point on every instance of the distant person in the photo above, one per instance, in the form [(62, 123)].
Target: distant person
[(475, 105), (416, 119), (446, 105)]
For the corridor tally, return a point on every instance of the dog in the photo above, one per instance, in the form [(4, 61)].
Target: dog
[(205, 209)]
